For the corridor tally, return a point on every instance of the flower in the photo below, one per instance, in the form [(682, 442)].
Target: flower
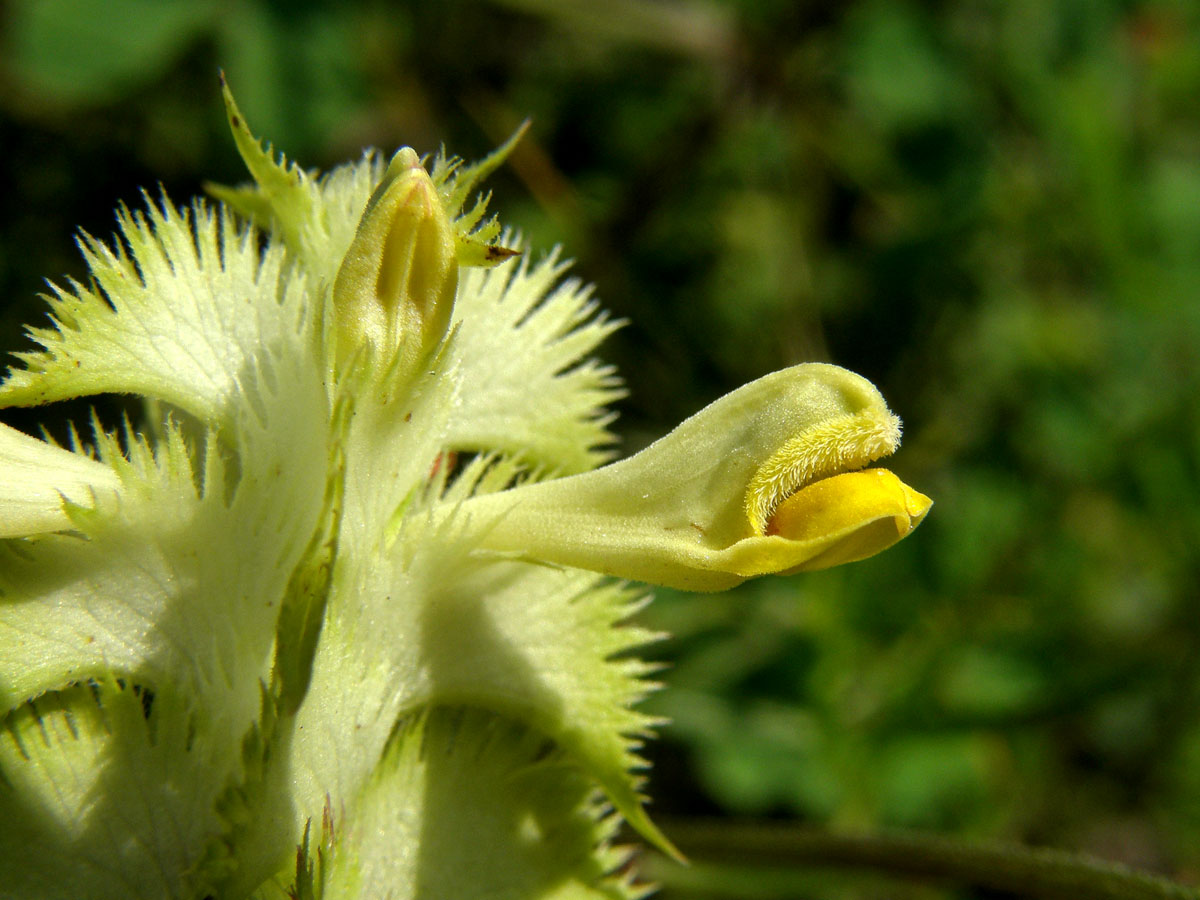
[(278, 644), (761, 481)]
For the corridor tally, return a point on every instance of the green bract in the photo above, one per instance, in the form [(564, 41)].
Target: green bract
[(337, 624)]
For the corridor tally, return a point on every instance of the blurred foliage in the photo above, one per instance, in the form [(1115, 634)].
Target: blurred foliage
[(991, 209)]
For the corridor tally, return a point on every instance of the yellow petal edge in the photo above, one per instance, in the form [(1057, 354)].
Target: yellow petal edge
[(862, 512)]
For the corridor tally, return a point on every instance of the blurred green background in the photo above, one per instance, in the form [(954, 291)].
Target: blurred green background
[(991, 209)]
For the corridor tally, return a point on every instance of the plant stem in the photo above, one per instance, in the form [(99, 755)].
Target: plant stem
[(1024, 871)]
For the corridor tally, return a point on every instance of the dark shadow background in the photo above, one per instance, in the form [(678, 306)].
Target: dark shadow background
[(991, 209)]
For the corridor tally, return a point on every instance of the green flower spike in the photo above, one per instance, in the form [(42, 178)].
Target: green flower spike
[(329, 628)]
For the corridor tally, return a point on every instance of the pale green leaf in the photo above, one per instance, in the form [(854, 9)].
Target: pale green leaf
[(38, 480), (284, 188), (180, 575), (341, 195), (433, 624), (492, 811), (182, 308), (108, 791), (522, 348), (455, 180)]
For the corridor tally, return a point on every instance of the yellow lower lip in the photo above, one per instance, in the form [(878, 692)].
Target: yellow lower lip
[(842, 504)]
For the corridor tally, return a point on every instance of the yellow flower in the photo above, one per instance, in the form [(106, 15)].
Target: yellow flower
[(762, 481)]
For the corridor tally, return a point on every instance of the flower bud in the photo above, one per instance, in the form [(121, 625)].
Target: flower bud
[(394, 292)]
